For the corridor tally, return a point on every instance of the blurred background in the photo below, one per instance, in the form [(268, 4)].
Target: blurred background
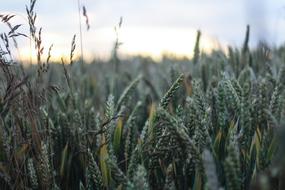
[(150, 27)]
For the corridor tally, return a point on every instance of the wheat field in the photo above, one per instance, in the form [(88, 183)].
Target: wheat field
[(212, 122)]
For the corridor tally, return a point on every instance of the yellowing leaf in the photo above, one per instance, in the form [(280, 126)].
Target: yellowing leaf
[(217, 142), (103, 165), (118, 135), (63, 159), (198, 181)]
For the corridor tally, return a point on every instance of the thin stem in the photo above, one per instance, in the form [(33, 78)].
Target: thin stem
[(31, 48), (80, 30)]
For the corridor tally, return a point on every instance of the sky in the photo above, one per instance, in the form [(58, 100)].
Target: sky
[(150, 27)]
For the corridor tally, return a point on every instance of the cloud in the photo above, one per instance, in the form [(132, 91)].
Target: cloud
[(224, 20)]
